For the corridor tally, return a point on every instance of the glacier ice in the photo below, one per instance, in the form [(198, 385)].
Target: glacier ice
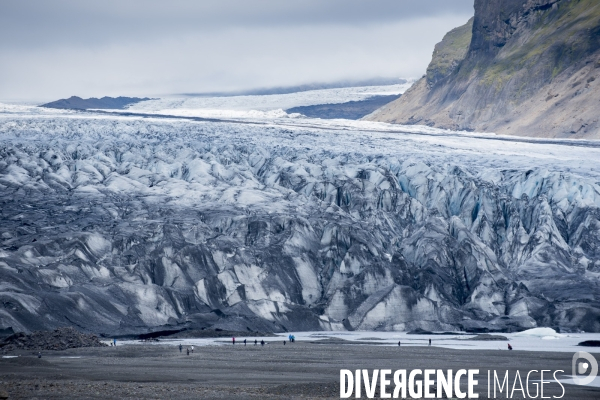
[(123, 224)]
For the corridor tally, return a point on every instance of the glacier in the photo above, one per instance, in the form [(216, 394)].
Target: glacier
[(260, 106), (125, 224)]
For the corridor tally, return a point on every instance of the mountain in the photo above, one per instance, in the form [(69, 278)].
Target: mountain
[(121, 225), (347, 110), (77, 103), (519, 67)]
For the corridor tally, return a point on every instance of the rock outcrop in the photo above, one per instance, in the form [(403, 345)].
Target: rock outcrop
[(59, 339), (531, 68)]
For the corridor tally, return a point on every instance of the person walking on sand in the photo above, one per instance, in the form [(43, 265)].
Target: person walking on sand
[(398, 343), (430, 342), (192, 349), (180, 348), (114, 341), (255, 342), (509, 347), (244, 342), (233, 340), (262, 342), (188, 351)]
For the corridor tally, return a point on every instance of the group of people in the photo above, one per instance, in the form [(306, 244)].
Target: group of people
[(399, 343), (188, 350), (509, 346), (291, 339), (262, 342)]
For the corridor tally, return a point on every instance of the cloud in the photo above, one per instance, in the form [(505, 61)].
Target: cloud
[(58, 48)]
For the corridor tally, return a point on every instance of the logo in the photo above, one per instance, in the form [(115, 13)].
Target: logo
[(581, 368)]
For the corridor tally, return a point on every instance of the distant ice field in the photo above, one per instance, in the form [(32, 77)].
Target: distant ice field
[(336, 136), (260, 106), (342, 141)]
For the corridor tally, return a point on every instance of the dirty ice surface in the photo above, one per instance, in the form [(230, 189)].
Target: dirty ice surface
[(356, 194)]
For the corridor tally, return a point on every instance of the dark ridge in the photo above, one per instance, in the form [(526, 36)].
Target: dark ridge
[(303, 88), (197, 333), (77, 103), (187, 333), (157, 334), (216, 333), (420, 331), (590, 343), (488, 337), (348, 110), (6, 331)]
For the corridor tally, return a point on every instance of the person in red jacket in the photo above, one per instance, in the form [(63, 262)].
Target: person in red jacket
[(233, 340)]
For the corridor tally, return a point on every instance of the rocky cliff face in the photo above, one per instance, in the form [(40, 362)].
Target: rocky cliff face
[(449, 53), (117, 225), (531, 68)]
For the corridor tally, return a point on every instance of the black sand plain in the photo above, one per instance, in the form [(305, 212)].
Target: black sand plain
[(301, 370)]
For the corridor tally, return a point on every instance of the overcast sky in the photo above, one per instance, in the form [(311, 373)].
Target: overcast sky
[(51, 49)]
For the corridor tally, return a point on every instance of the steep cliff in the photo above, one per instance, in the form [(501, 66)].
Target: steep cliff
[(531, 68)]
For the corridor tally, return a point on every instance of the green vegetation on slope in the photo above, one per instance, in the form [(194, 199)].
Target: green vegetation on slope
[(559, 38), (449, 53), (530, 69)]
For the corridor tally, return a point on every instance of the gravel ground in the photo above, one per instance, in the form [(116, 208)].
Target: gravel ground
[(295, 371)]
